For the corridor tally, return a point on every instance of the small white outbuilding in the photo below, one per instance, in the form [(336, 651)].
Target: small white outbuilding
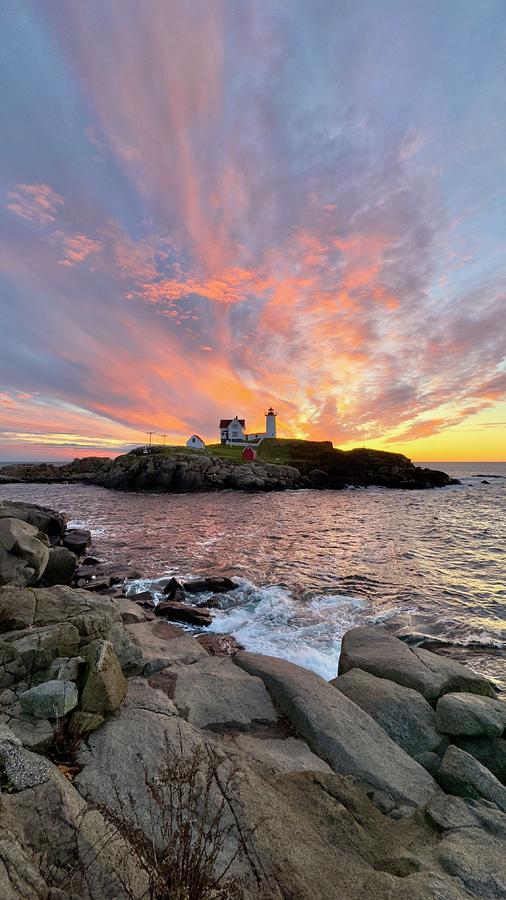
[(195, 442)]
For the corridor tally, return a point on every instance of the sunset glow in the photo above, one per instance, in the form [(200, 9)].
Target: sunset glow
[(209, 208)]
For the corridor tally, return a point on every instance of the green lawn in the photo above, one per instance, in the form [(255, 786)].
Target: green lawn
[(225, 452)]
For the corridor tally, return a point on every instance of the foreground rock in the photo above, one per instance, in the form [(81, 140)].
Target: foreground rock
[(468, 714), (402, 712), (105, 686), (464, 776), (51, 840), (44, 519), (340, 732), (61, 567), (374, 650), (50, 700), (491, 752), (45, 624), (215, 694), (164, 646), (24, 552)]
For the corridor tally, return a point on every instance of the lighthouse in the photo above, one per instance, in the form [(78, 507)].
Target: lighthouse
[(270, 423)]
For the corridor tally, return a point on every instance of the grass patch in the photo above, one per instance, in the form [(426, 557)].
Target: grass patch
[(291, 452), (223, 451)]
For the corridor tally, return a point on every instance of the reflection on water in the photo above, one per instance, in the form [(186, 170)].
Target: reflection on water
[(311, 564)]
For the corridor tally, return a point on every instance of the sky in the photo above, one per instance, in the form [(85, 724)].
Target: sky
[(208, 207)]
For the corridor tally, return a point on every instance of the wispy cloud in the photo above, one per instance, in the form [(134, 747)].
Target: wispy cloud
[(35, 202)]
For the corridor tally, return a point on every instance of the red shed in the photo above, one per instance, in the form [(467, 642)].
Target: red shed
[(249, 454)]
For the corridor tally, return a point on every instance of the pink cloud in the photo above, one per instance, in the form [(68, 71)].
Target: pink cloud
[(76, 247), (35, 202)]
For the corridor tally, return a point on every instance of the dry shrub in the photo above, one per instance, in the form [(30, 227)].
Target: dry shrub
[(66, 742), (197, 835)]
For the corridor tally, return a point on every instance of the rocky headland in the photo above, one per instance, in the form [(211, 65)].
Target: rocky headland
[(138, 760), (306, 464)]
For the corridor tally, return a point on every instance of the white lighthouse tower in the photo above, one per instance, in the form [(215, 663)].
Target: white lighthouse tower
[(270, 423)]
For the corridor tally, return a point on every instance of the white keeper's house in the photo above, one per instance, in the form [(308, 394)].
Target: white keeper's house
[(233, 431)]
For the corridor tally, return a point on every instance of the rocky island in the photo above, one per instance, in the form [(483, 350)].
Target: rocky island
[(141, 760), (280, 465)]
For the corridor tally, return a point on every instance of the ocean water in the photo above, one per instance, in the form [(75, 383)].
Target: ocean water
[(312, 564)]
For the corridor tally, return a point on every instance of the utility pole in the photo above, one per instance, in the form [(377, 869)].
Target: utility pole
[(150, 436), (164, 436)]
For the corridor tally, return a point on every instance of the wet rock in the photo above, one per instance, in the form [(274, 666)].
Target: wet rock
[(219, 644), (114, 573), (339, 731), (217, 695), (50, 700), (403, 713), (77, 539), (374, 650), (24, 553), (143, 598), (180, 612), (61, 567), (215, 584), (174, 590), (105, 686), (461, 774), (472, 715), (213, 602), (98, 585)]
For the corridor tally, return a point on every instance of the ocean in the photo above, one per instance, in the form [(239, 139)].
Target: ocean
[(312, 564)]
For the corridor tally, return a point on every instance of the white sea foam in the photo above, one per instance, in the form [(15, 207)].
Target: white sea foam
[(84, 523), (269, 620)]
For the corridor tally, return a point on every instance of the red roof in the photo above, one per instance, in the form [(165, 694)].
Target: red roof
[(224, 423)]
